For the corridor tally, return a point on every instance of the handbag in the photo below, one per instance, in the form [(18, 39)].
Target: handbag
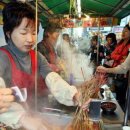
[(108, 62)]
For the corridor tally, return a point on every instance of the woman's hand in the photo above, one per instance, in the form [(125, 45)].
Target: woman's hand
[(85, 106), (55, 68), (101, 69), (77, 99), (6, 98)]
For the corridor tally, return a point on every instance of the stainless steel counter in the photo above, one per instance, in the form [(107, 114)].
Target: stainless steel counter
[(63, 113), (113, 118)]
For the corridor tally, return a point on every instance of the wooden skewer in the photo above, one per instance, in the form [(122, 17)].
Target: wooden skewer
[(82, 73), (88, 89)]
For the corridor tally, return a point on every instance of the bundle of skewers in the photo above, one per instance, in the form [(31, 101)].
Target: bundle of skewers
[(89, 89)]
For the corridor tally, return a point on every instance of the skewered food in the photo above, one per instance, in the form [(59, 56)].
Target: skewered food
[(89, 89)]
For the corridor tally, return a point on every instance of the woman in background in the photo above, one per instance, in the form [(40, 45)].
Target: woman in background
[(109, 48), (120, 69), (119, 55), (96, 50)]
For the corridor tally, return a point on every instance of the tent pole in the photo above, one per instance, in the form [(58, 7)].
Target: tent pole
[(98, 42), (127, 104)]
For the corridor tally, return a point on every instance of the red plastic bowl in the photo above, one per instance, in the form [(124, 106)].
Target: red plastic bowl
[(108, 107)]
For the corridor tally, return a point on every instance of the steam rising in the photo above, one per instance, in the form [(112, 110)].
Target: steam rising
[(73, 61)]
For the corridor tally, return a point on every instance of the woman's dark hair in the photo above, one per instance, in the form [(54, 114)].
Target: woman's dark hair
[(13, 13), (65, 35), (127, 26), (122, 40), (51, 28), (112, 36), (95, 38)]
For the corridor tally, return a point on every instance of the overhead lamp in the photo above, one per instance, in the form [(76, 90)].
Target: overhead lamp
[(79, 8)]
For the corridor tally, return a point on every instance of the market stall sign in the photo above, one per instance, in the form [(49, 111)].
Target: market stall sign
[(91, 22)]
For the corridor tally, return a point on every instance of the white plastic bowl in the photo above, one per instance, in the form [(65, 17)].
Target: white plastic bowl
[(126, 128)]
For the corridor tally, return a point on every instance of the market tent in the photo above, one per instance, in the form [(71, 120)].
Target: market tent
[(108, 8)]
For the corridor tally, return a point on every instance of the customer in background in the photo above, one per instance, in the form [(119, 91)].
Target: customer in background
[(118, 56), (63, 46), (96, 49), (66, 37), (120, 69), (121, 51), (109, 48)]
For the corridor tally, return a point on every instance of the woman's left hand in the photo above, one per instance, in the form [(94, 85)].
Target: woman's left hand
[(77, 99), (85, 106), (55, 68), (6, 98)]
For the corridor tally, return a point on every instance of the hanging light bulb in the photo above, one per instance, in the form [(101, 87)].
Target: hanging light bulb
[(72, 7), (79, 8)]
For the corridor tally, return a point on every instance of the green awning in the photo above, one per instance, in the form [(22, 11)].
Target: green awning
[(94, 8), (107, 8)]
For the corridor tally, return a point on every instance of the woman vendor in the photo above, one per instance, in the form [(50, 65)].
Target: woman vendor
[(19, 66)]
